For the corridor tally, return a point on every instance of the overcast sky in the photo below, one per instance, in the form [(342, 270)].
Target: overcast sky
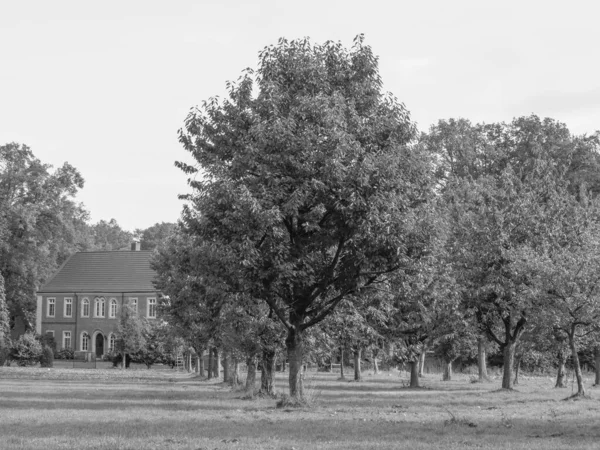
[(106, 85)]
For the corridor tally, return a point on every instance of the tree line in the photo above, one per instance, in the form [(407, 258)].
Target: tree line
[(320, 220)]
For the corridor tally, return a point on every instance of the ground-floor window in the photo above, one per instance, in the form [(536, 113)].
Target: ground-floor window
[(112, 341), (85, 342), (67, 339)]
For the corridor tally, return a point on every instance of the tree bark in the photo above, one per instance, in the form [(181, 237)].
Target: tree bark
[(235, 378), (210, 363), (448, 371), (357, 371), (216, 361), (597, 365), (422, 361), (561, 375), (414, 373), (266, 375), (481, 360), (198, 358), (517, 369), (375, 364), (251, 375), (189, 362), (576, 365), (342, 363), (226, 368), (509, 361), (295, 351), (123, 361)]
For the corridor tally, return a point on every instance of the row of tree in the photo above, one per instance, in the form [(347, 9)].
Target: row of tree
[(321, 219)]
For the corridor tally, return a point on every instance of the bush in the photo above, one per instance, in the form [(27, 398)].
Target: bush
[(47, 358), (26, 350), (48, 340), (65, 353), (118, 357)]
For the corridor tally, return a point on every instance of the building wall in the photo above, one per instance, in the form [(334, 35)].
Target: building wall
[(97, 320)]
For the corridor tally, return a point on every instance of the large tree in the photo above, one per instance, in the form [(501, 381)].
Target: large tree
[(306, 177), (40, 223)]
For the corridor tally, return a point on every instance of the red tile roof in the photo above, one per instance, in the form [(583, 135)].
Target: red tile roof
[(118, 271)]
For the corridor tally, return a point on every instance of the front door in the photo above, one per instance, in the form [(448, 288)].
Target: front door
[(99, 345)]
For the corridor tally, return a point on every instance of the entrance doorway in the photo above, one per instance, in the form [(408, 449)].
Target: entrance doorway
[(99, 345)]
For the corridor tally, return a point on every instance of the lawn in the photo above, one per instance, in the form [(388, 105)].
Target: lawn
[(164, 409)]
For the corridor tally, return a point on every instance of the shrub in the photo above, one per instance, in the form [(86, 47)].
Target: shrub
[(26, 350), (47, 358), (48, 340), (65, 353), (118, 357)]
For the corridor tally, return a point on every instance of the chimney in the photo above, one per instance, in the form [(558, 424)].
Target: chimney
[(135, 246)]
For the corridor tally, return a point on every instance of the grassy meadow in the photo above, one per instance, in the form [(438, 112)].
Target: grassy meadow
[(163, 409)]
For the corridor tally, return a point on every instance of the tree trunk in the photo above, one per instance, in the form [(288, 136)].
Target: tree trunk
[(211, 361), (357, 371), (189, 361), (198, 358), (266, 375), (597, 364), (448, 371), (561, 375), (251, 375), (509, 362), (123, 361), (517, 369), (342, 363), (481, 360), (216, 361), (414, 373), (576, 365), (235, 379), (422, 361), (226, 374), (283, 360), (375, 365), (295, 351)]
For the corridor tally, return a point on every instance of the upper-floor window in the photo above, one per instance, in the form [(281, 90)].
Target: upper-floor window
[(152, 308), (66, 339), (68, 312), (133, 303), (99, 307), (112, 310), (85, 307), (85, 341), (51, 307)]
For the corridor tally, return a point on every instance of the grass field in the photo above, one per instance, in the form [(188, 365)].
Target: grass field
[(162, 409)]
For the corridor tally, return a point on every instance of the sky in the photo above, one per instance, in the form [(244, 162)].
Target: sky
[(106, 85)]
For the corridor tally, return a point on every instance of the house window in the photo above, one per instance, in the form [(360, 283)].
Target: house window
[(133, 303), (50, 333), (85, 307), (112, 311), (85, 341), (51, 307), (99, 307), (152, 308), (68, 307), (112, 342), (66, 339)]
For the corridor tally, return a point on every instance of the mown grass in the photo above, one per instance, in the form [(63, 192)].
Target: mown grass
[(109, 409)]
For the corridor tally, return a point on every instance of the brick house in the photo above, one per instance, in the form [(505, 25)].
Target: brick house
[(81, 304)]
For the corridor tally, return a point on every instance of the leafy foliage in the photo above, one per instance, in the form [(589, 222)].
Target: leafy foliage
[(26, 350)]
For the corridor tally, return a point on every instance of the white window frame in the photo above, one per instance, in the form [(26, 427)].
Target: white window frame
[(151, 301), (99, 302), (133, 302), (112, 314), (83, 302), (68, 302), (51, 303), (64, 340), (112, 342), (82, 341)]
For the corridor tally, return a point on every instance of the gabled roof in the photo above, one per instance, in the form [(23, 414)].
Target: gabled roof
[(118, 271)]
